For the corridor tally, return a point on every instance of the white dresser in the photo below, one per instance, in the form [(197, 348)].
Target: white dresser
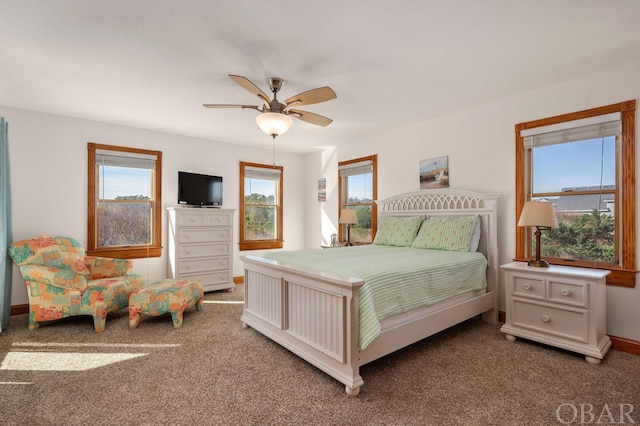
[(200, 246), (559, 305)]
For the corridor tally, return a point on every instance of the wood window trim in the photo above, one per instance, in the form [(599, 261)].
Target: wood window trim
[(146, 251), (374, 191), (261, 244), (625, 275)]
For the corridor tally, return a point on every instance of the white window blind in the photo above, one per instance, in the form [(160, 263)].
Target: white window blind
[(125, 159), (599, 126), (358, 168), (261, 173)]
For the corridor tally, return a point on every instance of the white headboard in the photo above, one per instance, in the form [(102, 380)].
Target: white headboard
[(452, 202)]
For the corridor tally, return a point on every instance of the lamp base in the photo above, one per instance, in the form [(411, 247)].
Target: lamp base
[(541, 263)]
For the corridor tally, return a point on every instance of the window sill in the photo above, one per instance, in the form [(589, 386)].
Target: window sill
[(127, 252)]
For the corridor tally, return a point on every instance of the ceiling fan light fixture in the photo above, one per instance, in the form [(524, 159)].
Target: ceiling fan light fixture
[(274, 123)]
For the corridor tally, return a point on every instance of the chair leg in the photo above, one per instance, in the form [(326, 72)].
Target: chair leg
[(100, 318), (33, 324)]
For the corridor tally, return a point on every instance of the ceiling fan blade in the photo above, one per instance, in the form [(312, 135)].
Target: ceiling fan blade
[(310, 117), (251, 88), (314, 96), (229, 106)]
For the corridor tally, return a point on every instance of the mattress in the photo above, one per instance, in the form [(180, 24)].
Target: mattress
[(397, 279)]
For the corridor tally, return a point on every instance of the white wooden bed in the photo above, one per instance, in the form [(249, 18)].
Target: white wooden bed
[(315, 314)]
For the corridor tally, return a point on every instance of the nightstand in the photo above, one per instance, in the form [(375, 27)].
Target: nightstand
[(560, 306)]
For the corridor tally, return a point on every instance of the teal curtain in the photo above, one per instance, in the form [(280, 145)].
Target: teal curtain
[(6, 236)]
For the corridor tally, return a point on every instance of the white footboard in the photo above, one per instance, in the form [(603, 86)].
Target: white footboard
[(314, 316)]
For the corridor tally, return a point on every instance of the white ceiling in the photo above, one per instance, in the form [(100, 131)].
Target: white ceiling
[(153, 63)]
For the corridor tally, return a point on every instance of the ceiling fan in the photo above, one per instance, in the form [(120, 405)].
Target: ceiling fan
[(275, 117)]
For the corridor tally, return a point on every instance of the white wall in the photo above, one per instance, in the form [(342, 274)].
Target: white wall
[(480, 144), (48, 155)]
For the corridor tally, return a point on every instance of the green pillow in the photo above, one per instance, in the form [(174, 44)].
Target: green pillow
[(451, 233), (397, 230)]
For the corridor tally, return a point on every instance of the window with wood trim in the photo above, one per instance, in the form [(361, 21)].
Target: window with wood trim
[(358, 189), (124, 202), (261, 204), (584, 163)]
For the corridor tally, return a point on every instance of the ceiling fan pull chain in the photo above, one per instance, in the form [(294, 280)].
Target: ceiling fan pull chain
[(274, 150)]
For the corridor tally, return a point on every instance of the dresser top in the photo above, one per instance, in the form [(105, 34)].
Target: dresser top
[(573, 271)]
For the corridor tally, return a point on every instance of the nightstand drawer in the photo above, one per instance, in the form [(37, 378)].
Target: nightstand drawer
[(568, 292), (566, 323), (528, 286)]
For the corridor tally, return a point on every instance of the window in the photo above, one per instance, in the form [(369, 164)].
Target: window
[(124, 201), (584, 163), (260, 206), (358, 188)]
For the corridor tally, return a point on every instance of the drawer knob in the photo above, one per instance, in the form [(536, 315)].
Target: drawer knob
[(564, 292), (545, 318), (526, 286), (187, 251)]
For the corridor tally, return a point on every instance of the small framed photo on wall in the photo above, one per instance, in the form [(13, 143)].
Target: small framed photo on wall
[(434, 173)]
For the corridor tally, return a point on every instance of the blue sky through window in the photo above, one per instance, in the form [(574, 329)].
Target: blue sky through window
[(575, 164), (123, 181)]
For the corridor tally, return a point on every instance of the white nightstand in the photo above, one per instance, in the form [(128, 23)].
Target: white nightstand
[(561, 306)]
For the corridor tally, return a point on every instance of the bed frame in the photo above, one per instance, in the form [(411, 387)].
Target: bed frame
[(315, 314)]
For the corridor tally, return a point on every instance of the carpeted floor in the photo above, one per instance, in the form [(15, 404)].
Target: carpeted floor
[(214, 372)]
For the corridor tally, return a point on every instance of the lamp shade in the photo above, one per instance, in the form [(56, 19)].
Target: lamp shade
[(539, 213), (274, 123), (348, 216)]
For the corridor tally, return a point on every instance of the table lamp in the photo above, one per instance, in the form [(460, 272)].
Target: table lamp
[(542, 215), (348, 217)]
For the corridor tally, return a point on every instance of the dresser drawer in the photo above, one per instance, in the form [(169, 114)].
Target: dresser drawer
[(204, 235), (528, 286), (200, 250), (204, 218), (568, 292), (566, 322), (210, 278), (200, 265)]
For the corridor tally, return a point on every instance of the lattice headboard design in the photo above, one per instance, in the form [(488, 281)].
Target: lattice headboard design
[(436, 200)]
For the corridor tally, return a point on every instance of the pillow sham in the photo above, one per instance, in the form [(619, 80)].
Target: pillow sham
[(449, 233), (397, 230)]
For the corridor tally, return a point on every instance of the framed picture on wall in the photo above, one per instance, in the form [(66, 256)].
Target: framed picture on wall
[(322, 189), (434, 173)]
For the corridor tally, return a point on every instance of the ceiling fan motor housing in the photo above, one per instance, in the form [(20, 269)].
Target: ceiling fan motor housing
[(275, 84)]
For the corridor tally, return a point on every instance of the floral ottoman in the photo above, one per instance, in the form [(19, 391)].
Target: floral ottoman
[(168, 296)]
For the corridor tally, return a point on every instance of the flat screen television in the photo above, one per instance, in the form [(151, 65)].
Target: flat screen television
[(199, 190)]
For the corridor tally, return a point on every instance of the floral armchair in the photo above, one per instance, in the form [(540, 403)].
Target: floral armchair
[(62, 281)]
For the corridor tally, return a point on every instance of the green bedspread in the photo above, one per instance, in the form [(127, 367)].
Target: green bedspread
[(397, 279)]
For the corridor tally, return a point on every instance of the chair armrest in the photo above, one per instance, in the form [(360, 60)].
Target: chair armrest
[(107, 267), (62, 278)]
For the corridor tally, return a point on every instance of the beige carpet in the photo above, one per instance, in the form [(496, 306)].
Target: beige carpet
[(214, 372)]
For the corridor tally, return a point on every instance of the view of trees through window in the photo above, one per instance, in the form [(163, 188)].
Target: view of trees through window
[(588, 236), (260, 217), (124, 221)]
